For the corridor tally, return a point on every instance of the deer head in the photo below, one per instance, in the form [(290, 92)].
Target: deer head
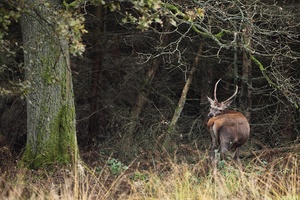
[(216, 107)]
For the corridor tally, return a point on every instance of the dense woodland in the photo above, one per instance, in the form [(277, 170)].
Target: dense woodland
[(141, 84)]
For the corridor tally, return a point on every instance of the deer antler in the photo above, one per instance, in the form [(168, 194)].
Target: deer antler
[(236, 90), (215, 91)]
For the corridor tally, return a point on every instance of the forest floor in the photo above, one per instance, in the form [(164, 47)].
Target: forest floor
[(156, 175)]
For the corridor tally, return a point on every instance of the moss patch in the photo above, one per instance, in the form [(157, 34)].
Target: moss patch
[(60, 147)]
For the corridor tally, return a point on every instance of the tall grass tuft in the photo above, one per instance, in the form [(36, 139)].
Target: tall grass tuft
[(277, 178)]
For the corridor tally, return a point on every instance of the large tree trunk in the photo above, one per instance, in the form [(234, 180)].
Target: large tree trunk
[(51, 131)]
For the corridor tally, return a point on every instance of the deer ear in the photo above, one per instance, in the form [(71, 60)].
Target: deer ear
[(210, 100)]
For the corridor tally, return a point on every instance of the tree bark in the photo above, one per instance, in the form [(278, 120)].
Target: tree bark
[(246, 92), (51, 130)]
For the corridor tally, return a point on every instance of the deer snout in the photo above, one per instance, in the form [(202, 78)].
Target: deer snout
[(210, 115)]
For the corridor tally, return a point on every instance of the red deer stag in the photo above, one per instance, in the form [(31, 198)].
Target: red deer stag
[(229, 129)]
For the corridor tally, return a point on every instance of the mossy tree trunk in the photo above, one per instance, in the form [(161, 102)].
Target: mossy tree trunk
[(51, 129)]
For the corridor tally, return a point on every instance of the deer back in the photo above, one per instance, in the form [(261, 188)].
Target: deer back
[(233, 126)]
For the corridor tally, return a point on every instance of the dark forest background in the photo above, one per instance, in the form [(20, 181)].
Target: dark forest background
[(128, 82)]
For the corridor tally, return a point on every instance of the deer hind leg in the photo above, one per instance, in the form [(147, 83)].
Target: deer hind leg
[(212, 155), (224, 151), (212, 152), (214, 146), (224, 146), (213, 149), (236, 156)]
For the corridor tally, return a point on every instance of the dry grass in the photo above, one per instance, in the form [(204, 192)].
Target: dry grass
[(258, 179)]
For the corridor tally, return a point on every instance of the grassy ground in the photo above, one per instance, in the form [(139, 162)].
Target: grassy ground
[(263, 177)]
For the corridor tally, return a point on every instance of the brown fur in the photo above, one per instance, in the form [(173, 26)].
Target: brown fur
[(229, 130)]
